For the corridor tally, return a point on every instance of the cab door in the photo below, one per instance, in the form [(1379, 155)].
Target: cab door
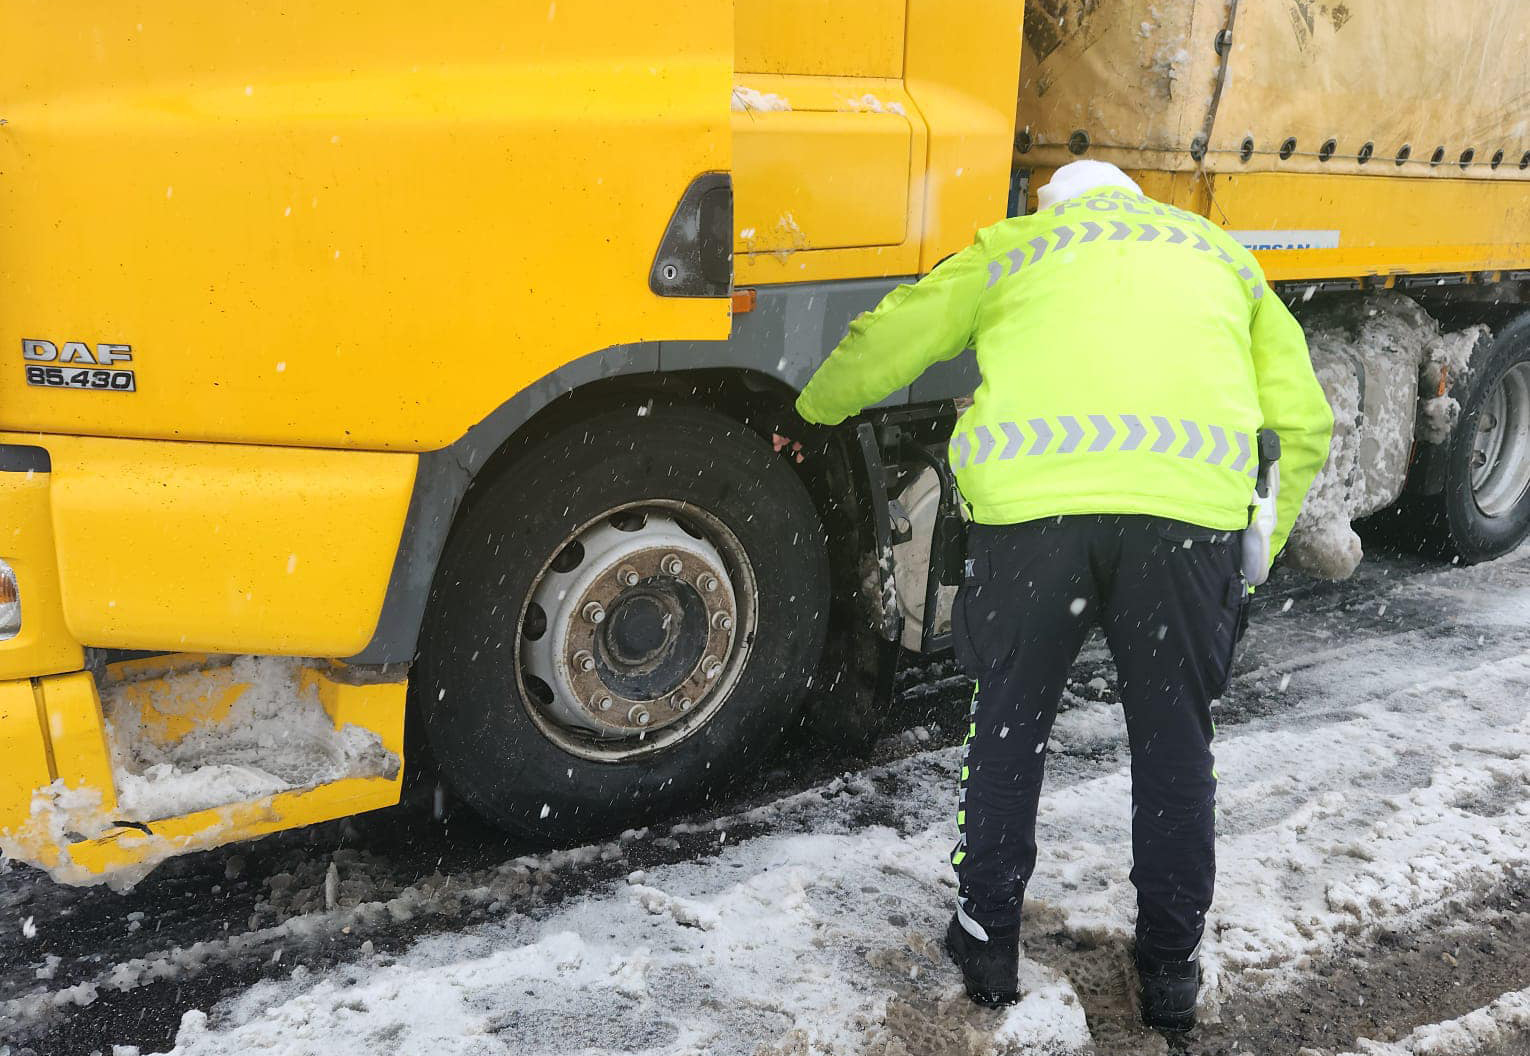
[(828, 146), (340, 225)]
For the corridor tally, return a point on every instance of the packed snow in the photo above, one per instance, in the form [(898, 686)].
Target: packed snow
[(1400, 347), (870, 104), (1395, 786), (276, 738), (744, 99)]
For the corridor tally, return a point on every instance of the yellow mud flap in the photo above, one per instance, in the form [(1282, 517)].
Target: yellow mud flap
[(83, 792)]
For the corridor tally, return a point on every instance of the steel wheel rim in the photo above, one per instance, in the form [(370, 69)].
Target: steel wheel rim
[(678, 605), (1500, 456)]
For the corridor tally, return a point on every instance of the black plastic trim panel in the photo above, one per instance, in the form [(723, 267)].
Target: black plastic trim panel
[(24, 458), (695, 257)]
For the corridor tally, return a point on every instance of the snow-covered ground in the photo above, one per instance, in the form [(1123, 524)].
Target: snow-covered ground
[(1505, 1020), (1374, 755)]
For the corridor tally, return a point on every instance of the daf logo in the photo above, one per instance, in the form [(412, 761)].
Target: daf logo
[(36, 351)]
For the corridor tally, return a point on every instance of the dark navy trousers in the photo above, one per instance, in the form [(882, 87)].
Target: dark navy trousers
[(1171, 600)]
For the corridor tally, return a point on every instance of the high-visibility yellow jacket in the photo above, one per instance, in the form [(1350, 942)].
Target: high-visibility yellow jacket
[(1130, 353)]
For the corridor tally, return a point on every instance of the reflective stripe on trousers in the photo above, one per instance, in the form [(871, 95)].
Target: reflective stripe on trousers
[(959, 854)]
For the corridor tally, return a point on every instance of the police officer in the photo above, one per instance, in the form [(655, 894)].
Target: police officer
[(1131, 355)]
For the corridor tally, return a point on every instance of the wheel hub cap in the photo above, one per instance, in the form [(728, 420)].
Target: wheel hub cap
[(639, 629), (634, 629), (1500, 457)]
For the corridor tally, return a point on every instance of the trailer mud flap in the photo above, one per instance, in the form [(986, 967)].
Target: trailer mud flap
[(91, 771)]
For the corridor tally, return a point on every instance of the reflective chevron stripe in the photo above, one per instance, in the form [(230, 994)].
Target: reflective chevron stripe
[(1041, 436), (1136, 432), (1166, 436), (1193, 442), (1118, 231), (961, 450), (985, 444), (1096, 434), (1218, 445), (1245, 455), (1014, 440), (1073, 432), (1104, 433)]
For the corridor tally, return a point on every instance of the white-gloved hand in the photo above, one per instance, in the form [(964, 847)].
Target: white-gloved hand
[(1261, 528)]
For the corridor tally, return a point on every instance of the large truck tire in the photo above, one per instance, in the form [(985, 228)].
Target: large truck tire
[(1487, 472), (624, 619)]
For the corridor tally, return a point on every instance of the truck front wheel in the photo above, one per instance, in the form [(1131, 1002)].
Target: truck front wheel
[(1487, 486), (625, 616)]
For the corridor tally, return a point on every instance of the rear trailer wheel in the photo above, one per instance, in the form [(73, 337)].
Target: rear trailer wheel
[(1487, 486), (625, 616)]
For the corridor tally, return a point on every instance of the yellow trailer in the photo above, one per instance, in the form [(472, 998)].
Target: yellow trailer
[(364, 357)]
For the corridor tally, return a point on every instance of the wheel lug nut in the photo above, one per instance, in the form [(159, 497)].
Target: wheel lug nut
[(722, 621), (593, 612), (707, 582), (684, 703), (602, 703), (671, 565), (639, 715), (584, 660), (711, 667), (627, 577)]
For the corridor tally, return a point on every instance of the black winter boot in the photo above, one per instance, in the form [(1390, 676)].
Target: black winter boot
[(989, 969), (1169, 990)]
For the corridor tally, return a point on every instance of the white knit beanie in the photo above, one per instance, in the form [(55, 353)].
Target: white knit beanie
[(1077, 177)]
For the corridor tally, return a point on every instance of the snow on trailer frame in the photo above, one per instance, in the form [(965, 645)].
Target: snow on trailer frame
[(450, 519)]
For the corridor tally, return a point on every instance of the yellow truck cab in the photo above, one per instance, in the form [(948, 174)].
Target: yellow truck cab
[(370, 368)]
